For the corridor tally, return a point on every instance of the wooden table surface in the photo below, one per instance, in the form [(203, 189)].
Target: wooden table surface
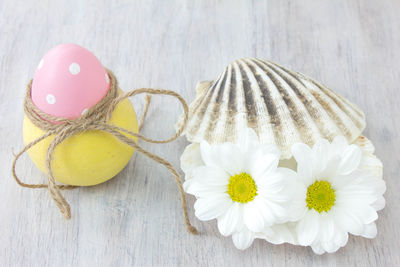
[(135, 218)]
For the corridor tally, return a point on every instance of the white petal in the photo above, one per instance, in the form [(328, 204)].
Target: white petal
[(210, 208), (232, 220), (340, 181), (355, 196), (317, 248), (330, 170), (302, 155), (292, 196), (373, 182), (263, 165), (361, 192), (286, 174), (279, 197), (226, 156), (320, 156), (206, 153), (253, 215), (330, 246), (301, 152), (190, 159), (379, 204), (267, 215), (297, 209), (247, 139), (207, 181), (243, 239), (211, 175), (351, 159), (339, 144), (298, 206), (308, 228), (270, 149), (341, 238), (271, 183), (327, 228), (190, 185), (366, 214), (280, 233), (280, 212), (327, 233), (348, 222), (370, 231), (201, 190)]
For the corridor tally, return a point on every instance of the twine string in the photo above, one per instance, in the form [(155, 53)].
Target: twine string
[(96, 118)]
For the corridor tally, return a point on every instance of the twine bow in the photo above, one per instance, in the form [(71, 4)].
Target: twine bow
[(96, 118)]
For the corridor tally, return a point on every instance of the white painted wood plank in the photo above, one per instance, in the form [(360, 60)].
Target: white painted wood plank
[(135, 219)]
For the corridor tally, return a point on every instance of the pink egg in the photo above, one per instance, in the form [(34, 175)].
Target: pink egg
[(69, 79)]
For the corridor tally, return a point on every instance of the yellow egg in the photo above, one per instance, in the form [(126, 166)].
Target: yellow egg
[(87, 158)]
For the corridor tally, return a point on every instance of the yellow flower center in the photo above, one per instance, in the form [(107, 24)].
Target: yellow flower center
[(320, 196), (242, 188)]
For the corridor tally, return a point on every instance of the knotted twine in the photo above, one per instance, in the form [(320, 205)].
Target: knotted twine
[(95, 118)]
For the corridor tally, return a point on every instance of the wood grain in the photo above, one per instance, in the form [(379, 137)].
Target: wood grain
[(135, 219)]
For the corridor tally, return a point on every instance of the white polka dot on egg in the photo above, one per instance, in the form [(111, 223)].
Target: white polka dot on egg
[(74, 68), (51, 99), (107, 78), (40, 64), (84, 111)]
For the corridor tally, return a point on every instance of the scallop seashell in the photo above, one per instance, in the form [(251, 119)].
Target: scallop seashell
[(284, 107), (369, 162)]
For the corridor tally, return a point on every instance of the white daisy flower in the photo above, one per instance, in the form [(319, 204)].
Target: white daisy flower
[(342, 196), (241, 186)]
